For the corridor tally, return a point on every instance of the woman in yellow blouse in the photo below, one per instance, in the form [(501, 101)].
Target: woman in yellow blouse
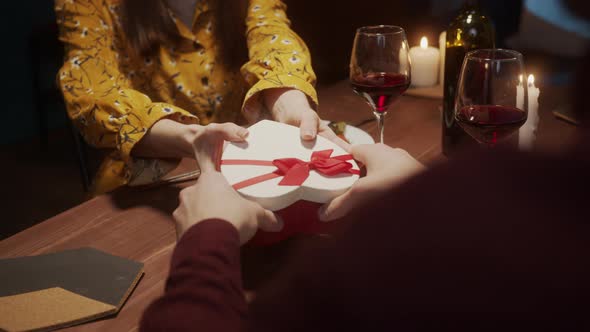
[(141, 77)]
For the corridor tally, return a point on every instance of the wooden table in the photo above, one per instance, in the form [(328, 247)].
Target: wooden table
[(137, 224)]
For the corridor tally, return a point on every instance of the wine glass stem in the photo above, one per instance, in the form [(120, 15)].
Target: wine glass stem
[(380, 124)]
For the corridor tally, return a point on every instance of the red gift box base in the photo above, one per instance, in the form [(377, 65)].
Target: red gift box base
[(299, 218)]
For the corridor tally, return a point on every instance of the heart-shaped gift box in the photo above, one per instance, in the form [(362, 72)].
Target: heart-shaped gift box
[(291, 177)]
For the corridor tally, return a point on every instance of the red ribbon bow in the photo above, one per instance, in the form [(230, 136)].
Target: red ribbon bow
[(295, 171)]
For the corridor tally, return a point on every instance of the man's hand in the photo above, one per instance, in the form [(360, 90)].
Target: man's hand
[(386, 167), (212, 197)]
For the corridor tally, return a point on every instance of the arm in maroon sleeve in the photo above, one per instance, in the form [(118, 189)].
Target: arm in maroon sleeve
[(204, 288)]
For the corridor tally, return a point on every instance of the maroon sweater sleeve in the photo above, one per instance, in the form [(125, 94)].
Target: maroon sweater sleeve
[(204, 288)]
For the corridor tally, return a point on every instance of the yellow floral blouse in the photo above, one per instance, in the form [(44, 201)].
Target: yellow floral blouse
[(114, 98)]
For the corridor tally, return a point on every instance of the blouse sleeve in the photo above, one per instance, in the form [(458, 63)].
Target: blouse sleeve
[(99, 98), (278, 56)]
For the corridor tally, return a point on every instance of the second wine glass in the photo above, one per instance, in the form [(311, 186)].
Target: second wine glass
[(380, 67), (492, 99)]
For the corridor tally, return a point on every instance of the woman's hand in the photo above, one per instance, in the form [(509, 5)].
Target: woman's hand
[(212, 197), (171, 139), (386, 167), (292, 107)]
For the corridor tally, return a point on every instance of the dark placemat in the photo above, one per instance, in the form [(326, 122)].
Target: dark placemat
[(86, 271)]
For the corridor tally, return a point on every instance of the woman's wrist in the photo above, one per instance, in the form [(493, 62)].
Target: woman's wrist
[(167, 139), (171, 139)]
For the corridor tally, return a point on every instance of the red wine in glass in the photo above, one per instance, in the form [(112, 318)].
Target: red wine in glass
[(491, 101), (489, 124), (380, 68), (380, 89)]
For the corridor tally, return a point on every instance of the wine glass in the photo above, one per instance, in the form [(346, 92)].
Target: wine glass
[(492, 101), (380, 67)]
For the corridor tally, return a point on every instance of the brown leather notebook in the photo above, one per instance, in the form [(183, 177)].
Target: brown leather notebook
[(40, 293)]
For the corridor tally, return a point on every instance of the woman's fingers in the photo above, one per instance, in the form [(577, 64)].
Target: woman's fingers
[(228, 131), (309, 125)]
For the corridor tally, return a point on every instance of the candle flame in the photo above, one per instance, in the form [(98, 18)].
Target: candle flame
[(424, 43), (520, 78), (531, 80)]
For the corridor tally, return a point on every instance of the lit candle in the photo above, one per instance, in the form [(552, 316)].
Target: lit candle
[(534, 93), (442, 48), (520, 93), (528, 132), (425, 62)]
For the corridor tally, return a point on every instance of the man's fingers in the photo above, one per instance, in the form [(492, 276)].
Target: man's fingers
[(328, 133), (361, 152), (309, 125), (270, 222), (338, 207), (208, 144), (365, 153), (214, 135), (209, 160)]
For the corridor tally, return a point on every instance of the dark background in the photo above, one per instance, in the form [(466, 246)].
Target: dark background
[(328, 26), (21, 21)]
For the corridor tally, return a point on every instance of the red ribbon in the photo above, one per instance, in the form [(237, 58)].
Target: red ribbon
[(295, 171)]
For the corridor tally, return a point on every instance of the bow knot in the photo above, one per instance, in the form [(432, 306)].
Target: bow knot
[(296, 171)]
